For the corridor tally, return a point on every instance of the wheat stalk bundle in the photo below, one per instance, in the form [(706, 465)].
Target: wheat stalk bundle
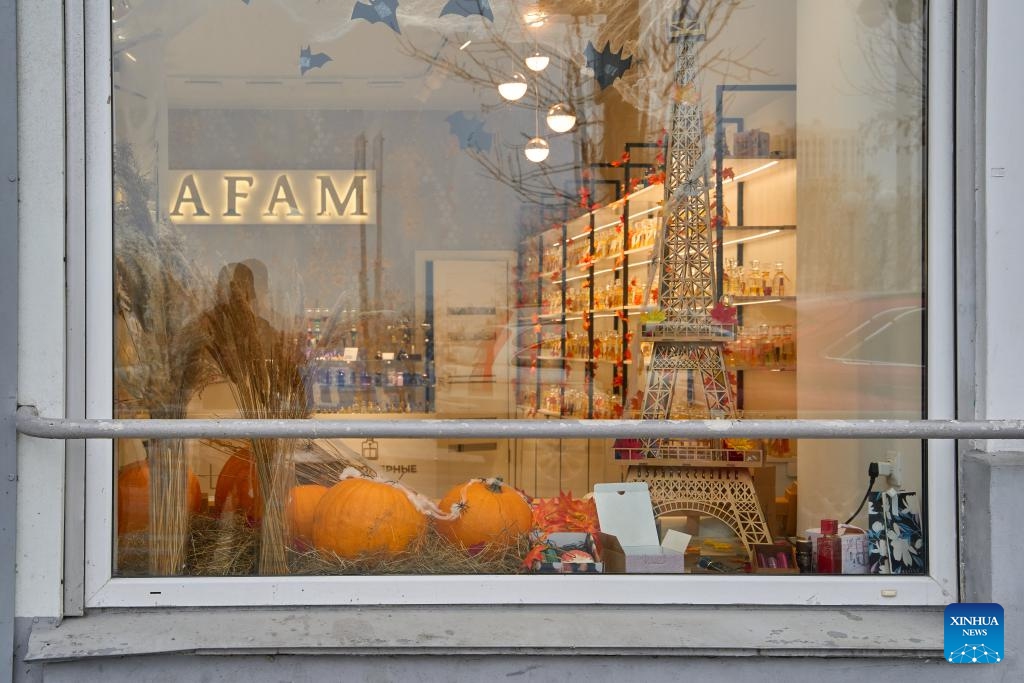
[(159, 298), (264, 368)]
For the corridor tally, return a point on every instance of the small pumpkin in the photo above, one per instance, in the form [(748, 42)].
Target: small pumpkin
[(133, 497), (365, 516), (487, 512), (301, 509), (238, 487)]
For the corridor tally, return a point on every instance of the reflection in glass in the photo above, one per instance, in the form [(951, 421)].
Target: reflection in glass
[(321, 217)]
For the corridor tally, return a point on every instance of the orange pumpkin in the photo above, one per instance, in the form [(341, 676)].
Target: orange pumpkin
[(133, 497), (363, 516), (489, 513), (238, 488), (301, 509)]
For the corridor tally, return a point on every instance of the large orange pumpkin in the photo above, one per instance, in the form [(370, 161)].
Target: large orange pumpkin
[(489, 513), (238, 488), (133, 497), (301, 509), (363, 516)]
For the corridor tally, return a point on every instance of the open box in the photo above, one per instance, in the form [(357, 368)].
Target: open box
[(628, 536)]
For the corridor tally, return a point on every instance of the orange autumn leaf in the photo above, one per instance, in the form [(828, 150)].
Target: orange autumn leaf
[(565, 513), (536, 554)]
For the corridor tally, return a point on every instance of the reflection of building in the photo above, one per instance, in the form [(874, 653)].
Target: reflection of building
[(830, 153)]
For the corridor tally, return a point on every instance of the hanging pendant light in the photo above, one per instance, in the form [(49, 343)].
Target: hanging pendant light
[(514, 87), (537, 61), (561, 117), (537, 150)]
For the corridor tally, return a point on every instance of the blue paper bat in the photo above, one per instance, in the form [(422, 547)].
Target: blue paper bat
[(470, 132), (607, 65), (378, 11), (465, 8), (308, 61)]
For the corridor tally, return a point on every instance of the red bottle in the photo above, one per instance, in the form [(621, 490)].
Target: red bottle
[(830, 548)]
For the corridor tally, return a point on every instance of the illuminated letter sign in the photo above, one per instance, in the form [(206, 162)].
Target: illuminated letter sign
[(271, 197), (188, 193)]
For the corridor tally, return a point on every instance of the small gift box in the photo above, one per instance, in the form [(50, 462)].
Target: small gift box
[(568, 553)]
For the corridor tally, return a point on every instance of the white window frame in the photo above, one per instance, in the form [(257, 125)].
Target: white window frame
[(940, 587)]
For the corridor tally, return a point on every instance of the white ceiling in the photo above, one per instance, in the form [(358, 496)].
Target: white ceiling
[(226, 53)]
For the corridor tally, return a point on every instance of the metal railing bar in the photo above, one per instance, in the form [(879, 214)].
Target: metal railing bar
[(30, 423)]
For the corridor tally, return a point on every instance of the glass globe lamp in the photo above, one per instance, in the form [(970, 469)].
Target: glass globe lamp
[(537, 150), (514, 87), (561, 117), (537, 61)]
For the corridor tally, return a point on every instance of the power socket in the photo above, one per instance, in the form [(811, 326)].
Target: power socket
[(890, 468)]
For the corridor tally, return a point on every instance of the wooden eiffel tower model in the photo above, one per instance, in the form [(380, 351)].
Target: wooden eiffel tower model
[(700, 476)]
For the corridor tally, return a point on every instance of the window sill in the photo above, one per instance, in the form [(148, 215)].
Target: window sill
[(477, 630)]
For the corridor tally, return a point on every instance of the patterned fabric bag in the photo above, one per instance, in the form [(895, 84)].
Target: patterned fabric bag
[(896, 543)]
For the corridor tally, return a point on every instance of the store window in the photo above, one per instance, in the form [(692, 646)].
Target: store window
[(573, 210)]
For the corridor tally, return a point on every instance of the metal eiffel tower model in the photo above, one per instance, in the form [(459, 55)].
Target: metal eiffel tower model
[(692, 475)]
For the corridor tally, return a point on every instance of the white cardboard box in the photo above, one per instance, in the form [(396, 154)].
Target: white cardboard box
[(629, 538), (853, 545)]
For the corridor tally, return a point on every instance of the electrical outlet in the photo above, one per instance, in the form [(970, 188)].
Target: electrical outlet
[(895, 470)]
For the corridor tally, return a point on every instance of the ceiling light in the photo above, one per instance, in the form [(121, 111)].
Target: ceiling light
[(535, 18), (513, 88), (537, 150), (537, 61), (561, 117), (465, 45)]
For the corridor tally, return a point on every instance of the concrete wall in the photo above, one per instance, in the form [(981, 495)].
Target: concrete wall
[(41, 351)]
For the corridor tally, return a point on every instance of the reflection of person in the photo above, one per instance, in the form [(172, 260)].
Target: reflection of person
[(266, 363), (237, 331), (236, 286), (260, 285)]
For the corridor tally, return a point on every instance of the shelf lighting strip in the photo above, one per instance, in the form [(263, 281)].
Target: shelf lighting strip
[(747, 174), (615, 269), (614, 223), (741, 240), (755, 303)]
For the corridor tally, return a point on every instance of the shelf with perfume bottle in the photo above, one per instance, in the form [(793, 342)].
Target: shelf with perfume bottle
[(754, 221), (641, 203), (587, 286)]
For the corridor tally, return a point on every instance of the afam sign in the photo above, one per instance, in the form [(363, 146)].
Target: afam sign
[(272, 197)]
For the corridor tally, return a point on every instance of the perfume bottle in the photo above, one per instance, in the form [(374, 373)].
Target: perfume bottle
[(830, 548), (780, 279), (754, 279)]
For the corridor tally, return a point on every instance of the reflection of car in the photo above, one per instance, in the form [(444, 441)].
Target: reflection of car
[(881, 340), (861, 355)]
